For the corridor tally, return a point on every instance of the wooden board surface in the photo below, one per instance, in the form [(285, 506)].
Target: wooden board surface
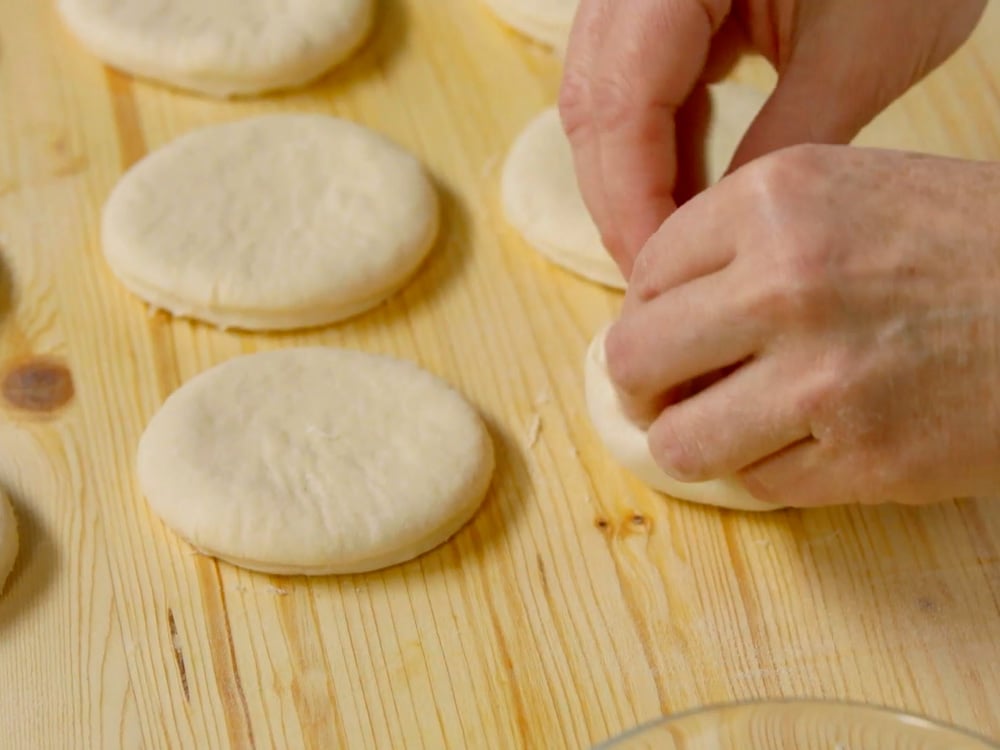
[(575, 605)]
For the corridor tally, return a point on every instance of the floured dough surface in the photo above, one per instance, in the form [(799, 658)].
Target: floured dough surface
[(542, 201), (541, 197), (315, 460), (221, 47), (274, 222), (545, 21), (627, 443), (8, 539)]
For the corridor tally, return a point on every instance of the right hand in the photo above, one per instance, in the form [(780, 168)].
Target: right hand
[(631, 65)]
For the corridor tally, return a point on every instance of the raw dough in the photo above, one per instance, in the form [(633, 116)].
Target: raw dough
[(541, 198), (221, 47), (542, 201), (627, 443), (8, 539), (314, 461), (734, 107), (275, 222), (545, 21)]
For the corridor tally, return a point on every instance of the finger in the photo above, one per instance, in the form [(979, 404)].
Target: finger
[(732, 424), (690, 331), (653, 55), (729, 45), (576, 109), (695, 241), (815, 101), (803, 475)]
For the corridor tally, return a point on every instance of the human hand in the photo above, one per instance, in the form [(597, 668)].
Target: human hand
[(631, 65), (851, 299)]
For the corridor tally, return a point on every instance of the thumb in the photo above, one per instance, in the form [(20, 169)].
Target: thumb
[(812, 103)]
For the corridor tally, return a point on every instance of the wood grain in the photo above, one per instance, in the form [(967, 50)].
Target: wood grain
[(575, 605)]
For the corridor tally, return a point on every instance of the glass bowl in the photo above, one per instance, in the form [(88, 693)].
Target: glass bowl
[(796, 725)]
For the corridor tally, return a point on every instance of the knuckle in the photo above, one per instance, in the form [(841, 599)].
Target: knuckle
[(614, 103), (824, 393), (645, 283), (575, 102), (799, 283), (781, 175), (677, 450), (621, 350)]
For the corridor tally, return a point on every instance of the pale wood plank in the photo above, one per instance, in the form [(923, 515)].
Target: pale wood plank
[(576, 604)]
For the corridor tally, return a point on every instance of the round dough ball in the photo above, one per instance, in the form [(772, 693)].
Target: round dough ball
[(627, 443), (542, 201), (8, 539), (314, 461), (221, 47), (275, 222), (546, 21)]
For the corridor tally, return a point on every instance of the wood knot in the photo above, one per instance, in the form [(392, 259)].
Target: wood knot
[(601, 523), (38, 385)]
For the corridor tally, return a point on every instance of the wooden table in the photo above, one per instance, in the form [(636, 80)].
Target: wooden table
[(575, 605)]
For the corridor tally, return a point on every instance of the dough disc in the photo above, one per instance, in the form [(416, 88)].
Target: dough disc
[(542, 201), (275, 222), (221, 47), (314, 461), (8, 539), (545, 21), (627, 443)]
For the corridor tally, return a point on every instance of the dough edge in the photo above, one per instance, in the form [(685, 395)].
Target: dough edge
[(292, 74), (627, 443)]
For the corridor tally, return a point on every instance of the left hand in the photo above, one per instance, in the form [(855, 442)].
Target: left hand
[(848, 302)]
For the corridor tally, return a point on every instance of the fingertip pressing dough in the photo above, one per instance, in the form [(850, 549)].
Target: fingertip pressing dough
[(315, 461), (275, 222), (542, 202), (541, 197), (8, 539), (221, 47), (627, 443), (546, 21)]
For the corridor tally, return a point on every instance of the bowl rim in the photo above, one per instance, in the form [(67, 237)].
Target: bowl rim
[(880, 710)]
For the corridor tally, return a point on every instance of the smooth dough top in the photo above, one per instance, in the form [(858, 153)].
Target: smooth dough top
[(542, 201), (545, 21), (8, 539), (279, 221), (315, 460), (221, 47), (628, 444)]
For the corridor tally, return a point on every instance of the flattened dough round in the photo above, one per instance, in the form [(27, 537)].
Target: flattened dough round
[(315, 461), (8, 539), (627, 443), (275, 222), (542, 201), (221, 47), (545, 21)]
